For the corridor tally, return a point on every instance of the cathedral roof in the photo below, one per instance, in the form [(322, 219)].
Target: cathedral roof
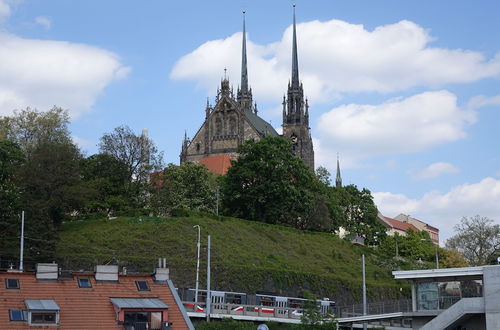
[(218, 164), (260, 124)]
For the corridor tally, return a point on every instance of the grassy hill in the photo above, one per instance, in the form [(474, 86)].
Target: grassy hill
[(246, 256)]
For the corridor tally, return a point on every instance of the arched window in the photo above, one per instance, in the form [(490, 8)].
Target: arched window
[(232, 126), (218, 126)]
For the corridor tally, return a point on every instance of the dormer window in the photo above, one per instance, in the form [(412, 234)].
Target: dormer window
[(42, 312), (84, 282), (142, 285), (12, 283)]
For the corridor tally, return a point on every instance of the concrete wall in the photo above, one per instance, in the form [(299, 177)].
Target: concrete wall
[(491, 282)]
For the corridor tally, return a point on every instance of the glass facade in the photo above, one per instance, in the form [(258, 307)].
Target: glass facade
[(441, 295)]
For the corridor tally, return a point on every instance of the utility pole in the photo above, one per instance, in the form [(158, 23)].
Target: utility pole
[(365, 325), (197, 265), (209, 295), (21, 253)]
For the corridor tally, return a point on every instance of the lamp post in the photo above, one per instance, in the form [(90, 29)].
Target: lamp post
[(197, 265), (365, 325)]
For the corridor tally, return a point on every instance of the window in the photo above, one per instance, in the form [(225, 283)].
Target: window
[(218, 126), (232, 126), (142, 285), (84, 282), (17, 315), (143, 320), (12, 283), (43, 317)]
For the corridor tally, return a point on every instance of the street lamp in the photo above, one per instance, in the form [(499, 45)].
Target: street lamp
[(197, 266), (437, 247)]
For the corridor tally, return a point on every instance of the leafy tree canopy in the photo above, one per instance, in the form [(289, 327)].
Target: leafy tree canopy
[(268, 183), (354, 210), (138, 152), (30, 128), (188, 186), (11, 158), (477, 238)]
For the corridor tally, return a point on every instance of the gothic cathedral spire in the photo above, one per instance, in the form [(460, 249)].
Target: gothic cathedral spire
[(295, 58), (296, 111), (244, 93), (338, 179)]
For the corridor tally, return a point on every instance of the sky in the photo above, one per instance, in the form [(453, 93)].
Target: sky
[(407, 93)]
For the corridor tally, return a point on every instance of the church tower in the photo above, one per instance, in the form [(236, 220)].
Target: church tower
[(296, 111)]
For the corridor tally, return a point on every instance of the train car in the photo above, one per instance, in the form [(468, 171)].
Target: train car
[(263, 302)]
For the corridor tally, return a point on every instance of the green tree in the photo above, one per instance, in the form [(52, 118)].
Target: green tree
[(188, 186), (324, 176), (355, 211), (452, 259), (268, 183), (138, 152), (107, 179), (49, 181), (11, 158), (30, 128), (477, 238)]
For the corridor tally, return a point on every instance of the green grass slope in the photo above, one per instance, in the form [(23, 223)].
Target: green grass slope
[(246, 256)]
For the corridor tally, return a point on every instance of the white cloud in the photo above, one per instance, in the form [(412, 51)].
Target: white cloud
[(434, 170), (43, 73), (336, 57), (4, 10), (82, 143), (483, 101), (444, 210), (43, 21), (401, 126)]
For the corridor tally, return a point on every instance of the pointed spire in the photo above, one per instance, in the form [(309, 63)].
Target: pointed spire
[(338, 179), (295, 60), (244, 73)]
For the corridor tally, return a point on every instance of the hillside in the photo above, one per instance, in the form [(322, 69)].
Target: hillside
[(246, 256)]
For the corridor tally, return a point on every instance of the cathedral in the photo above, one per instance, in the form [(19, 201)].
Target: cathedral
[(234, 119)]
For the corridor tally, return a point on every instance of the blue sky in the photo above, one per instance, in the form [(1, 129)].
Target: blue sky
[(407, 92)]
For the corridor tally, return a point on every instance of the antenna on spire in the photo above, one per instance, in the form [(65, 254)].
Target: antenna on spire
[(225, 70)]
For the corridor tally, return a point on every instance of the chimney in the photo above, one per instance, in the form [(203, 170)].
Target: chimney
[(162, 273), (106, 273), (46, 271)]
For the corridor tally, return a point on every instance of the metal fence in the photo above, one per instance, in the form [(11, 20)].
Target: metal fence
[(383, 307)]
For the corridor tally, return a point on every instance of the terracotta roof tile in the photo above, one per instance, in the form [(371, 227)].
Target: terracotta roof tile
[(83, 308), (400, 225), (218, 164)]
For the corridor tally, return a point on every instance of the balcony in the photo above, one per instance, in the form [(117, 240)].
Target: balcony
[(146, 325)]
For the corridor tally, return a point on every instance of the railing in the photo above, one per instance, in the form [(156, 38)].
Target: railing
[(384, 307), (247, 310), (146, 326)]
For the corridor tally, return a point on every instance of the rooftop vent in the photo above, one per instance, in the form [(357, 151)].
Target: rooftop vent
[(106, 273), (46, 271)]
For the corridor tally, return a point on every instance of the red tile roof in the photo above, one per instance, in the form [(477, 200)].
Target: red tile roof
[(83, 308), (400, 225), (218, 164)]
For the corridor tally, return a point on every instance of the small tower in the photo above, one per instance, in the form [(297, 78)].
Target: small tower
[(338, 178), (296, 111), (185, 144)]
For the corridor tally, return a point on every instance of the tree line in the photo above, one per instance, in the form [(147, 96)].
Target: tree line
[(44, 173)]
